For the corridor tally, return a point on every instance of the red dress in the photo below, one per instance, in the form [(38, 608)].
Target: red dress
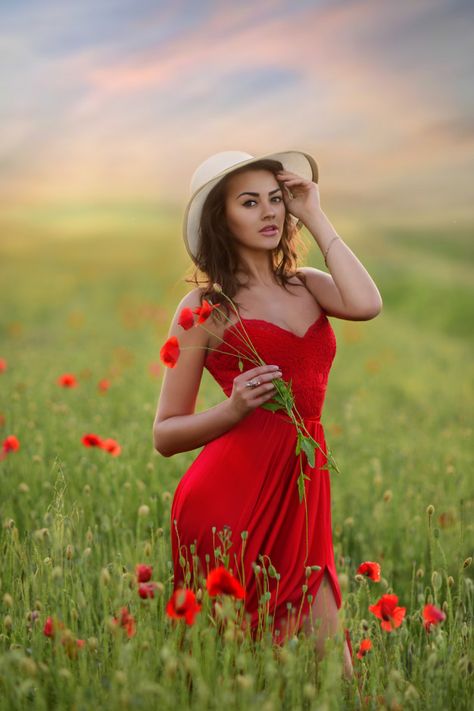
[(246, 479)]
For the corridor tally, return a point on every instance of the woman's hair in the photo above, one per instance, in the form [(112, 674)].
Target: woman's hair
[(217, 257)]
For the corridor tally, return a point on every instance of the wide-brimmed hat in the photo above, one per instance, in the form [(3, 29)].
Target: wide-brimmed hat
[(214, 168)]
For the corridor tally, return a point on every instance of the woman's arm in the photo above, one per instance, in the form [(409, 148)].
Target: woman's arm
[(176, 428)]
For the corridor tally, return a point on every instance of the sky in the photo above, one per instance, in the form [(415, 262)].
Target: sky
[(119, 101)]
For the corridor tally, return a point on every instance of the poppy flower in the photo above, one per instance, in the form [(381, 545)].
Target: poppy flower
[(10, 444), (103, 384), (364, 647), (91, 440), (183, 604), (68, 380), (48, 629), (126, 621), (51, 626), (111, 446), (146, 590), (186, 318), (204, 311), (143, 572), (221, 582), (386, 610), (169, 352), (370, 569), (3, 365), (432, 615)]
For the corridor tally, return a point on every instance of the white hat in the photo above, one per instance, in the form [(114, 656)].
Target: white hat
[(214, 168)]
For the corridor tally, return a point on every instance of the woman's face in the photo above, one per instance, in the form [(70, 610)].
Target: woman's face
[(247, 214)]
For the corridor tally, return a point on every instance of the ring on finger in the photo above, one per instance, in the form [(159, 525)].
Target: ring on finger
[(254, 383)]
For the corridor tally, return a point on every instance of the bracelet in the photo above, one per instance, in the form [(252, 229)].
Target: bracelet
[(327, 250)]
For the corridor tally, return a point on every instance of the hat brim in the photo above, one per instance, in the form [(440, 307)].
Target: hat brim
[(294, 161)]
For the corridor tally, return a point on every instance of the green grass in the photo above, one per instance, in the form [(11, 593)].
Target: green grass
[(398, 420)]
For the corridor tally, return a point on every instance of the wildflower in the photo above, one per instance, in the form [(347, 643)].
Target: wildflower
[(186, 318), (204, 311), (68, 380), (103, 384), (10, 444), (169, 352), (111, 446), (146, 590), (91, 440), (126, 621), (364, 647), (143, 572), (370, 569), (51, 626), (432, 615), (183, 604), (220, 581), (386, 610), (3, 365)]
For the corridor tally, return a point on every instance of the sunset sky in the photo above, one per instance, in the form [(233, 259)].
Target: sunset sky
[(119, 100)]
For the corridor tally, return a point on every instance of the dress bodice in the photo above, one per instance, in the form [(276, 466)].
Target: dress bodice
[(304, 360)]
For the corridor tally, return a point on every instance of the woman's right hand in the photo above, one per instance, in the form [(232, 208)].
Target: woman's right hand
[(244, 399)]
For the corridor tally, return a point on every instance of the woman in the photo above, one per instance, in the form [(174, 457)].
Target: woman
[(240, 231)]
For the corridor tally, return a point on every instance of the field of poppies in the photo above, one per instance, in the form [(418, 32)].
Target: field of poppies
[(87, 610)]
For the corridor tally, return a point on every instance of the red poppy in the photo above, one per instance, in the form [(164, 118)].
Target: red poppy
[(169, 352), (146, 590), (221, 582), (68, 380), (91, 440), (111, 446), (80, 643), (432, 615), (183, 604), (186, 319), (204, 311), (364, 647), (10, 444), (3, 365), (386, 610), (48, 629), (103, 384), (143, 572), (370, 569), (127, 621)]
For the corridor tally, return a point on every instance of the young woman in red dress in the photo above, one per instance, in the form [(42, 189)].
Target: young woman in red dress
[(241, 229)]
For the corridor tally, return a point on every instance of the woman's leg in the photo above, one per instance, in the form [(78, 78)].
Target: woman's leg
[(325, 622)]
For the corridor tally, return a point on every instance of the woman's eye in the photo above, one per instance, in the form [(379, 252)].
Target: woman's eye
[(277, 197)]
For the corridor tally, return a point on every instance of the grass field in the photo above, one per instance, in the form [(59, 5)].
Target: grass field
[(91, 295)]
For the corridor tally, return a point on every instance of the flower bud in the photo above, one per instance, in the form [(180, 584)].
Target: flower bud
[(69, 551), (104, 576), (143, 510), (467, 562), (430, 510), (8, 600), (450, 581)]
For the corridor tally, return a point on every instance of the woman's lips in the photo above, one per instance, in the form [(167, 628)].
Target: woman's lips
[(269, 231)]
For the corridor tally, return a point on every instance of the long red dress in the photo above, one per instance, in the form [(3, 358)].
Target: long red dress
[(246, 479)]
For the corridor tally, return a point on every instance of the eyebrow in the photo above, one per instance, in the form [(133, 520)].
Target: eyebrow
[(258, 194)]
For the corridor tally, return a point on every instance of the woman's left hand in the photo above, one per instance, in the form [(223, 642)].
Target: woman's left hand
[(305, 201)]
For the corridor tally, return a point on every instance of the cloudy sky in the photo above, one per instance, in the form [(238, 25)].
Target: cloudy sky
[(120, 100)]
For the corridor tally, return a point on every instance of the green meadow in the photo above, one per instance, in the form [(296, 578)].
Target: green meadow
[(91, 292)]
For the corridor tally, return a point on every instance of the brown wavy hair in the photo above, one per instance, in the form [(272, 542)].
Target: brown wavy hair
[(217, 257)]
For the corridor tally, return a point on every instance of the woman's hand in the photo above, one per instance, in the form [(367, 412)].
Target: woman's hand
[(305, 194), (244, 399)]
